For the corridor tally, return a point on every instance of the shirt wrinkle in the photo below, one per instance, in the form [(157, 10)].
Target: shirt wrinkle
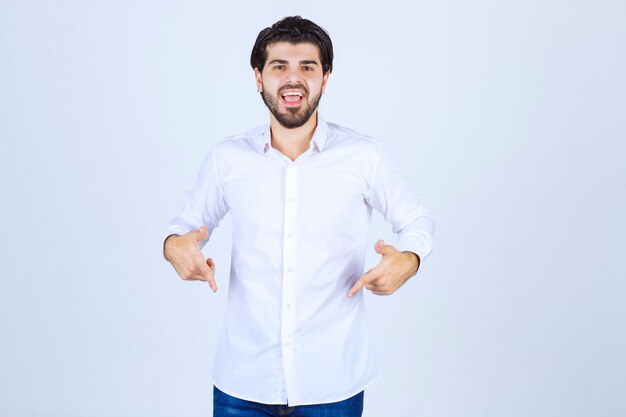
[(300, 236), (217, 177)]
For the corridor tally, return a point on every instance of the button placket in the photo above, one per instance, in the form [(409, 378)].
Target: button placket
[(290, 273)]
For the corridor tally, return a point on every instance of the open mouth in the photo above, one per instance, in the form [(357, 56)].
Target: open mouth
[(292, 97)]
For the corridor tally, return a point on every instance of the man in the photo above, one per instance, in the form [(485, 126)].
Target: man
[(300, 192)]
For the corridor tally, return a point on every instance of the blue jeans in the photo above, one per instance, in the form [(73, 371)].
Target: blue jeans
[(226, 405)]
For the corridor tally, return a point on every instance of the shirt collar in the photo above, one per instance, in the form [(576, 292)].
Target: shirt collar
[(321, 133), (319, 136)]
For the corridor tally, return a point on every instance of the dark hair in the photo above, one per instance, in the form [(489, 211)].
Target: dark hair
[(293, 29)]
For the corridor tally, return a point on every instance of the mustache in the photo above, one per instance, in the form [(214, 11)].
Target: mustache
[(293, 87)]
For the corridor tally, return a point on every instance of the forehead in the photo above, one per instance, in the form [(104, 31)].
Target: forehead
[(293, 51)]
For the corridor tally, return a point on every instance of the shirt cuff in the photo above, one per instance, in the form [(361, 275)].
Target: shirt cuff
[(416, 244), (417, 237)]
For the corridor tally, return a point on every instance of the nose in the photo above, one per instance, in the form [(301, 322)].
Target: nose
[(293, 77)]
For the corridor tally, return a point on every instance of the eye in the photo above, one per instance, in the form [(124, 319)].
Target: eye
[(308, 68), (278, 67)]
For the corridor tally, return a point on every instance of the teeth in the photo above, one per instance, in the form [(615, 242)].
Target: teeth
[(292, 93)]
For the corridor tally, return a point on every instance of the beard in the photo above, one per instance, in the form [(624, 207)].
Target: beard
[(292, 117)]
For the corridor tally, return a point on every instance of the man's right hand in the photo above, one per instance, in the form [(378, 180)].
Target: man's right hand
[(183, 252)]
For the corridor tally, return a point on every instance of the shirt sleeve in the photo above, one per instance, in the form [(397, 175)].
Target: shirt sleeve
[(205, 204), (392, 196)]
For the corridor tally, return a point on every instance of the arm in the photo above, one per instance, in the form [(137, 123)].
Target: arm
[(188, 232), (395, 199)]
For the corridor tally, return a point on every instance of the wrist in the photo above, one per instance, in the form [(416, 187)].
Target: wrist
[(415, 261), (167, 243)]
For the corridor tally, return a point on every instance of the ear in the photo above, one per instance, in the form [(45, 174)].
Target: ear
[(259, 80), (324, 80)]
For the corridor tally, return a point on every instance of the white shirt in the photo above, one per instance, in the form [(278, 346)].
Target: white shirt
[(291, 335)]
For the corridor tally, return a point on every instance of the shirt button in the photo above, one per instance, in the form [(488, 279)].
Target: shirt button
[(289, 269), (291, 199), (288, 306), (291, 235)]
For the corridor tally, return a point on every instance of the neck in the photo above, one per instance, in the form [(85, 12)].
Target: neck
[(292, 142)]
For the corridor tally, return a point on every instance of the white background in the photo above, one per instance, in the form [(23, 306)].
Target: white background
[(507, 116)]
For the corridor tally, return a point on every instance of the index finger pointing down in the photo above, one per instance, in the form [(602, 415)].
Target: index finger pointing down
[(362, 282)]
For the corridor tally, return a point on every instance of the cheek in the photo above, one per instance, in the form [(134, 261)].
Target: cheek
[(316, 88), (270, 85), (316, 84)]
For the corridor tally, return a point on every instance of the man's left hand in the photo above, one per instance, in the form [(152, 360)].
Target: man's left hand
[(394, 269)]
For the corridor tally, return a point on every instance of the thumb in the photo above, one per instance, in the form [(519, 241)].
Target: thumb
[(204, 233), (199, 235), (378, 247)]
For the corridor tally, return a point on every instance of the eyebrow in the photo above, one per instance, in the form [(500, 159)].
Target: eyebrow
[(285, 62)]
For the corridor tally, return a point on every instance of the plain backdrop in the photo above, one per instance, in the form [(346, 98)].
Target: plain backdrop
[(508, 117)]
